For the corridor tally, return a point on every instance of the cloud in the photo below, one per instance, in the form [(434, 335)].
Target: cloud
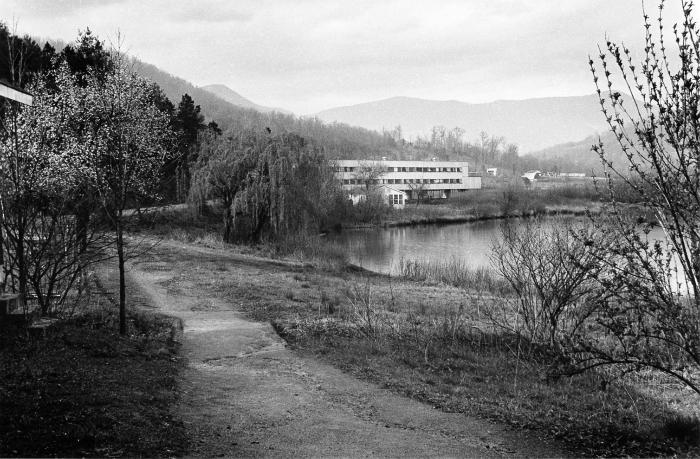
[(307, 55), (58, 8), (207, 11)]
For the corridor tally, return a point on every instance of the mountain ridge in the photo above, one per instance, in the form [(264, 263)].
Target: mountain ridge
[(533, 123), (229, 95)]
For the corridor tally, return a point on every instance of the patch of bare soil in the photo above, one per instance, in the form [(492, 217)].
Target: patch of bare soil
[(244, 393)]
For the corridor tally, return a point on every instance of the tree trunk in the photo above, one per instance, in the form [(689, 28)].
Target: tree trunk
[(122, 282), (227, 223), (82, 222), (21, 261)]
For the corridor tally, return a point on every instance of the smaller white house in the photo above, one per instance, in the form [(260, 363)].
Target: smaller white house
[(395, 198)]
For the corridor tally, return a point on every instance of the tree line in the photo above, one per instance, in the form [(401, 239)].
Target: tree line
[(486, 151)]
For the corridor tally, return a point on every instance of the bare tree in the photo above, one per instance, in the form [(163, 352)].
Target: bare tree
[(418, 189), (128, 149), (368, 173), (551, 273), (650, 316)]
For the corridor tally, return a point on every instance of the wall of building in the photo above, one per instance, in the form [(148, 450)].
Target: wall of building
[(440, 178)]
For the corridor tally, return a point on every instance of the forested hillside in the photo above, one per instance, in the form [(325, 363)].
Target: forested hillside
[(579, 156), (231, 96), (338, 140)]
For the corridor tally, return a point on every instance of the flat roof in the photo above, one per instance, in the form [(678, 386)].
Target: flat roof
[(401, 163)]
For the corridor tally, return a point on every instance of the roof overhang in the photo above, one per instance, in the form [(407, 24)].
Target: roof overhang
[(15, 94)]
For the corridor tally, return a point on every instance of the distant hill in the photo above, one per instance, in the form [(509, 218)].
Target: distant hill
[(339, 140), (579, 156), (231, 96), (533, 124), (213, 106)]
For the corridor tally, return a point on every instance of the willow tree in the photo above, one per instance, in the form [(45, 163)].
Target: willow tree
[(220, 170), (288, 189)]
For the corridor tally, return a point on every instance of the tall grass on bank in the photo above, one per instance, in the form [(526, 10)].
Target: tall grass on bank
[(456, 273), (310, 248)]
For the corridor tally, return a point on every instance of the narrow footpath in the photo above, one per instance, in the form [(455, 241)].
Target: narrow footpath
[(245, 394)]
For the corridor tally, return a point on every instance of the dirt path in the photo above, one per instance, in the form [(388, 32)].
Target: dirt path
[(245, 394)]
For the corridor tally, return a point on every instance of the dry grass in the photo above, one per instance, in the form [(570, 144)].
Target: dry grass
[(449, 358), (500, 203), (456, 273)]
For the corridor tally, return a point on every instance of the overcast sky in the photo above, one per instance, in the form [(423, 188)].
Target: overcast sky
[(309, 55)]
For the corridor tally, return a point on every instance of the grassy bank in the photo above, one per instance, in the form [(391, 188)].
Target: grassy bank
[(433, 342), (84, 390), (206, 230), (498, 203), (456, 273)]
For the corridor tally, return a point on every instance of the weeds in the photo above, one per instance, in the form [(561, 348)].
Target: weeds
[(456, 273), (449, 357)]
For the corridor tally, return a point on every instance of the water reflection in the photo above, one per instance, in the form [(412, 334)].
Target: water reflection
[(381, 249)]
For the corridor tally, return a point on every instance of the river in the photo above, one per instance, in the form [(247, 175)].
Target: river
[(381, 249)]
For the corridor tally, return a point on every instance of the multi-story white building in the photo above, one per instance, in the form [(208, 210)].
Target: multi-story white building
[(437, 179)]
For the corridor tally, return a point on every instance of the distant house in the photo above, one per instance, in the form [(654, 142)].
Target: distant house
[(493, 171), (395, 198), (531, 176)]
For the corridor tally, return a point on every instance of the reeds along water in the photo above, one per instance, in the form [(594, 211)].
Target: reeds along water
[(453, 272)]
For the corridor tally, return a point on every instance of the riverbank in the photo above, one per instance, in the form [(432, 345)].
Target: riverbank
[(418, 218), (433, 343), (491, 204)]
